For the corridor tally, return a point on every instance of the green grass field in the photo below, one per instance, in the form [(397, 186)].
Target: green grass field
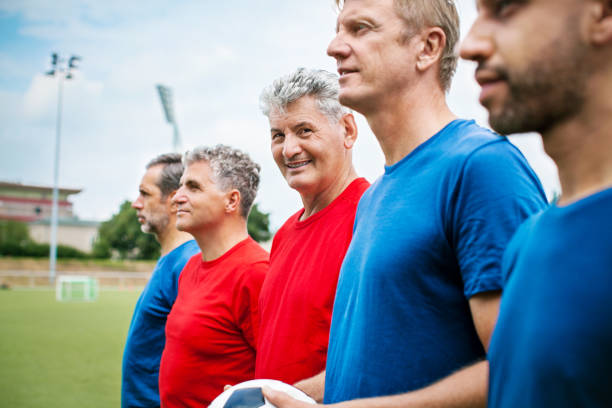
[(62, 354)]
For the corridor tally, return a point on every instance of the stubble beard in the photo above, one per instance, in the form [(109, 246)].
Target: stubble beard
[(549, 90), (155, 224)]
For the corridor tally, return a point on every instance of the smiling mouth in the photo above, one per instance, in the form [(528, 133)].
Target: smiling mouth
[(343, 71), (297, 165)]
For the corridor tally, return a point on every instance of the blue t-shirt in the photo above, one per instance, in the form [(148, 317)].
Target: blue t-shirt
[(146, 337), (552, 346), (428, 235)]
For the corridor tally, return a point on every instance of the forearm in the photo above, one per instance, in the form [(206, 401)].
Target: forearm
[(462, 389), (313, 386)]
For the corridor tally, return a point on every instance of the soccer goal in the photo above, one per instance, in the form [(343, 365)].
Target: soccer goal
[(73, 287)]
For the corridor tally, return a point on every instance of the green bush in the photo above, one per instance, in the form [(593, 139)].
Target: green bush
[(15, 241)]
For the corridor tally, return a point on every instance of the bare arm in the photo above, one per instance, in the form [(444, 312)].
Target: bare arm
[(313, 386), (462, 389)]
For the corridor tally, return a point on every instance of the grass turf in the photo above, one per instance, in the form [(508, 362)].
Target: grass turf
[(62, 354)]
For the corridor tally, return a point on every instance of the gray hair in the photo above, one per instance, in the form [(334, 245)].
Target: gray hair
[(170, 178), (232, 169), (320, 84)]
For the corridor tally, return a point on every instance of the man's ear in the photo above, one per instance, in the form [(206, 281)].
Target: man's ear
[(170, 204), (232, 201), (350, 130), (601, 28), (433, 41)]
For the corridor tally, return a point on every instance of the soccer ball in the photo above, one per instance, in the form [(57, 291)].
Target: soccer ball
[(248, 395)]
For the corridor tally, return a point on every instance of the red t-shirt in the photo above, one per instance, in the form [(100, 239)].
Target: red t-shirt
[(211, 330), (297, 296)]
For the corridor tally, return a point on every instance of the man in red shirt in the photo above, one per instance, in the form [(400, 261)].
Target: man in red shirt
[(311, 140), (211, 330)]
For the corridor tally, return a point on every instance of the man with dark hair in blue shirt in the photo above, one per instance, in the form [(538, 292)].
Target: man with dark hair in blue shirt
[(146, 337), (546, 66)]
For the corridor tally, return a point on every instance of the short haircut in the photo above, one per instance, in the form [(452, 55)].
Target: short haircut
[(232, 169), (419, 14), (320, 84), (170, 178)]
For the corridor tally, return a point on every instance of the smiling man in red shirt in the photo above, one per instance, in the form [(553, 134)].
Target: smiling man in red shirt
[(312, 137)]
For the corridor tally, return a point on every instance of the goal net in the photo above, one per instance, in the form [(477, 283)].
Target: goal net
[(72, 287)]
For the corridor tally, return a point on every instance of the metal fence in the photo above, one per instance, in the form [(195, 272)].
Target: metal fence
[(115, 280)]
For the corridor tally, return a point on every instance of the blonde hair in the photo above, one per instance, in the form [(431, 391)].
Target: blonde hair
[(419, 14)]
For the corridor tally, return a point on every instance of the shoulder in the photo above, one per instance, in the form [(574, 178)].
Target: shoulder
[(180, 255), (289, 224), (465, 140), (484, 158), (252, 255), (357, 188)]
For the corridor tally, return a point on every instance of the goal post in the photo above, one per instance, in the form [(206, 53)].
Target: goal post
[(76, 287)]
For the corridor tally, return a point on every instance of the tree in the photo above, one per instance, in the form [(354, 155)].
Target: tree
[(123, 235), (14, 232), (258, 225)]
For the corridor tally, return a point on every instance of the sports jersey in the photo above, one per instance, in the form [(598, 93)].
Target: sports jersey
[(552, 343), (297, 296), (211, 330), (429, 234), (146, 336)]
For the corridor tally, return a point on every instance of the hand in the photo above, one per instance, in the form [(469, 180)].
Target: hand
[(282, 400)]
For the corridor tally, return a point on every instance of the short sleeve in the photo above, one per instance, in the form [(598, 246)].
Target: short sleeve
[(497, 191), (247, 301)]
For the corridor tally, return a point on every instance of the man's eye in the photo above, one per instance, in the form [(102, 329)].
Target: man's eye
[(277, 136), (505, 8), (358, 27)]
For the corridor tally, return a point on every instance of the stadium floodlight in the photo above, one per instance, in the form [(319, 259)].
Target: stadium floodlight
[(63, 72), (165, 95)]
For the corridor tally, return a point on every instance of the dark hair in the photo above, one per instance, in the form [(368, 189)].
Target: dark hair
[(170, 177)]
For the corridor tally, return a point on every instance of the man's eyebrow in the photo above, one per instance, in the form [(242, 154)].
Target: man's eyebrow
[(191, 183), (302, 124)]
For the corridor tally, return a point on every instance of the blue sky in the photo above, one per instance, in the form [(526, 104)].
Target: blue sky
[(216, 57)]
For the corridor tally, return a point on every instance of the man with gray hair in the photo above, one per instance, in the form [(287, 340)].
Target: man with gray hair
[(419, 288), (311, 137), (212, 328), (146, 337)]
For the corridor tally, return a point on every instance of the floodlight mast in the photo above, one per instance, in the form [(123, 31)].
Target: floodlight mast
[(63, 72), (165, 95)]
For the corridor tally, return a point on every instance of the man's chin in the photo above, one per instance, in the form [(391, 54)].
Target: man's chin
[(182, 228)]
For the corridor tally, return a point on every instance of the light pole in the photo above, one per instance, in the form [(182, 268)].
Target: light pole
[(165, 94), (62, 71)]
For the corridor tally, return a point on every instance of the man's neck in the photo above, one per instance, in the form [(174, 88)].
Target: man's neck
[(313, 203), (582, 151), (217, 240), (404, 123), (172, 239)]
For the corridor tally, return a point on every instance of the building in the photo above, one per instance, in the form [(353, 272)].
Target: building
[(32, 204)]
